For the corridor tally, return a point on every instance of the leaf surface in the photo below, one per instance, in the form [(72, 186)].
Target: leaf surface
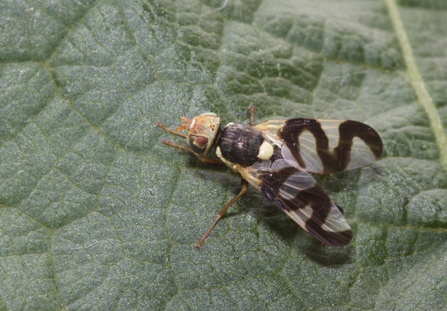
[(97, 214)]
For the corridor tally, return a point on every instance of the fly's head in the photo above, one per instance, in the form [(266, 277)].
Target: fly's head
[(203, 132)]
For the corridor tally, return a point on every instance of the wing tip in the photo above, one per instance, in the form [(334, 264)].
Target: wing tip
[(332, 238), (341, 238)]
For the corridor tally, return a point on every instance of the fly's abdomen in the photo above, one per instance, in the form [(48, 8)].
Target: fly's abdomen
[(240, 144)]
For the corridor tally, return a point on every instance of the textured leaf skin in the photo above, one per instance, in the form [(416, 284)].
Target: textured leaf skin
[(97, 214)]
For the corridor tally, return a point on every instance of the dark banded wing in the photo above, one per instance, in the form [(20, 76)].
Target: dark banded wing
[(296, 193), (325, 146)]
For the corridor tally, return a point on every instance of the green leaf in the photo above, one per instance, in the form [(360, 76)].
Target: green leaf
[(97, 214)]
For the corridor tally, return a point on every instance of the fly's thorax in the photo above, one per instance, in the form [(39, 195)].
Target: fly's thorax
[(243, 145), (202, 132)]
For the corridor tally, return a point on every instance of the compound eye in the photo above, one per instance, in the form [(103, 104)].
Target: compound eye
[(198, 144)]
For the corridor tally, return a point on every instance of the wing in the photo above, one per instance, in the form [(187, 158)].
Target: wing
[(296, 193), (324, 146)]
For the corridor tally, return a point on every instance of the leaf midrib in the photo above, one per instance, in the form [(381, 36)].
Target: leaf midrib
[(414, 76)]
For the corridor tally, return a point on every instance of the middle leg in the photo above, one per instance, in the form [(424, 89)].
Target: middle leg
[(244, 188)]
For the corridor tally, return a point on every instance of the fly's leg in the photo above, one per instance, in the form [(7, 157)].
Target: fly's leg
[(252, 115), (244, 187), (206, 160), (170, 131)]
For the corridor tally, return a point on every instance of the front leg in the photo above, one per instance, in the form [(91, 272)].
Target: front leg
[(215, 162), (170, 131)]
